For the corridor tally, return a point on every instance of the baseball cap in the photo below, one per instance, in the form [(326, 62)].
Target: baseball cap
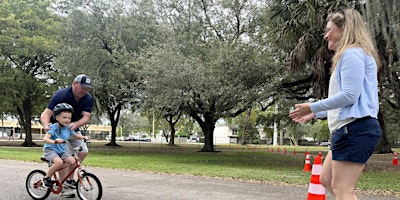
[(83, 80)]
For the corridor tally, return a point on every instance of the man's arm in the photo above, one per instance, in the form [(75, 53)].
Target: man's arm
[(45, 118), (82, 122)]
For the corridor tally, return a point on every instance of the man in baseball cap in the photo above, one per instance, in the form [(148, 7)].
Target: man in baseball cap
[(77, 95), (83, 80)]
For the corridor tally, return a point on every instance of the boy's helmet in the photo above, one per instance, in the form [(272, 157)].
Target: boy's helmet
[(61, 107)]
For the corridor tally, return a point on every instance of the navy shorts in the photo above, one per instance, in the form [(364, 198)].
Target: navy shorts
[(356, 141)]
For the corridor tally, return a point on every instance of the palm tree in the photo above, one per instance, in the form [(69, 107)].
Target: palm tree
[(300, 28), (385, 28)]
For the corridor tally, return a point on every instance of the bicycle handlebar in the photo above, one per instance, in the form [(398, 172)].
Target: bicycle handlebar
[(56, 142)]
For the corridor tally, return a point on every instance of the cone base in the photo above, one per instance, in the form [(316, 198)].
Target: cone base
[(316, 197)]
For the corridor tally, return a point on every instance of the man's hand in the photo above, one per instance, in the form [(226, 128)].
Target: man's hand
[(73, 126), (46, 127)]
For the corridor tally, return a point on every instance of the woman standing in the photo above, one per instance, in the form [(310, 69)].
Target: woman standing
[(352, 105)]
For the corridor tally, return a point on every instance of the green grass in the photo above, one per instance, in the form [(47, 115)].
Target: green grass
[(232, 162)]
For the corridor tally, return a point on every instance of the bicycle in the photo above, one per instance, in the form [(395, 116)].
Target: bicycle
[(88, 186)]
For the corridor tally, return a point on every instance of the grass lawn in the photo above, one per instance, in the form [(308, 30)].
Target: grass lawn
[(253, 163)]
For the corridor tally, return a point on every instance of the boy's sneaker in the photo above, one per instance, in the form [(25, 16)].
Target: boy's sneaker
[(47, 182), (70, 183), (67, 193)]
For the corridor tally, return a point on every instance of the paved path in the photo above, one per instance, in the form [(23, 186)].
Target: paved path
[(129, 185)]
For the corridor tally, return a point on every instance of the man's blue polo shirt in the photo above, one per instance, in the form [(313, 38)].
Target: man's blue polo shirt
[(65, 96)]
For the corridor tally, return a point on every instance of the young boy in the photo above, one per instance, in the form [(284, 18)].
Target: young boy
[(55, 149)]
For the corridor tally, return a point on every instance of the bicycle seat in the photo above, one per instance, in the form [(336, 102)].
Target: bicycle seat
[(43, 159)]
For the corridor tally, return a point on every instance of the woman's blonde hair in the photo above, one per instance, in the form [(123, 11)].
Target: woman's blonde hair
[(355, 34)]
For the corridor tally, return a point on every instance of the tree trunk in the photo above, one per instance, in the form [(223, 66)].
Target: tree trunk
[(383, 146), (171, 122), (172, 127), (165, 134), (208, 127), (244, 138), (114, 123), (25, 121), (113, 134)]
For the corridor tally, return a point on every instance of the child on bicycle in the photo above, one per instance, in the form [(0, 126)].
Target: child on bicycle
[(55, 149)]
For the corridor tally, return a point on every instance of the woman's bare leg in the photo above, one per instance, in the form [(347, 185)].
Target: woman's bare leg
[(344, 179), (326, 173)]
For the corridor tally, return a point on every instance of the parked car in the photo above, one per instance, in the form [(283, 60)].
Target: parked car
[(133, 138), (3, 134), (145, 139), (325, 144), (122, 138), (108, 137), (193, 139), (137, 138)]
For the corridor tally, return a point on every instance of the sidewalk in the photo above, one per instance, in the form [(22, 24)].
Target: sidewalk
[(128, 185)]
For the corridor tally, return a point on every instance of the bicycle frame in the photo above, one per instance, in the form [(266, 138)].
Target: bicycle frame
[(77, 168), (88, 186)]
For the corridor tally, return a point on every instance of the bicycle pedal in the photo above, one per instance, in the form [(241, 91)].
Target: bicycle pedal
[(68, 195)]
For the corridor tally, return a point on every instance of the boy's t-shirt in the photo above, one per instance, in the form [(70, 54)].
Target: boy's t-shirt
[(57, 131)]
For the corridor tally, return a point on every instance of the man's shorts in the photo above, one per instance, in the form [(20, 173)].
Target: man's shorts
[(356, 141), (50, 154), (75, 143)]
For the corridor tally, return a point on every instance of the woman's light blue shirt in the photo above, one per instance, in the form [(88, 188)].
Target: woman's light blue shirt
[(358, 83)]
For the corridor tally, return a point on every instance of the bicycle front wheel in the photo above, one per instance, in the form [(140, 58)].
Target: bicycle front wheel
[(35, 187), (89, 187)]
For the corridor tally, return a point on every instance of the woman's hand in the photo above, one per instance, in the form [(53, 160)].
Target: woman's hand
[(304, 118), (302, 113)]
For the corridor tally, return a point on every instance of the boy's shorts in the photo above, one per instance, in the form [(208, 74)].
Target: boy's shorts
[(50, 154), (356, 141)]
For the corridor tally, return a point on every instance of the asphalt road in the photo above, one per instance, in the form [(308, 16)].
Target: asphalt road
[(129, 185)]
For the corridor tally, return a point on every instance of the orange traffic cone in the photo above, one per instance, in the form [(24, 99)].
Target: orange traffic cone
[(307, 164), (320, 154), (315, 190), (395, 160)]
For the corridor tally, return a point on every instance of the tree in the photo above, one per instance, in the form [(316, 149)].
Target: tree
[(247, 126), (102, 39), (385, 28), (28, 41), (308, 57), (300, 27), (211, 67)]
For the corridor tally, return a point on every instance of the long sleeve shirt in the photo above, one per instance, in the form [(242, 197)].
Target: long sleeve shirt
[(357, 79)]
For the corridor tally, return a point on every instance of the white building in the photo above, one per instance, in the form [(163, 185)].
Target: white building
[(226, 135)]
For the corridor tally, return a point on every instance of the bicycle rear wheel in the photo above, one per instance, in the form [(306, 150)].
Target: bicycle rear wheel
[(35, 187), (89, 187)]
